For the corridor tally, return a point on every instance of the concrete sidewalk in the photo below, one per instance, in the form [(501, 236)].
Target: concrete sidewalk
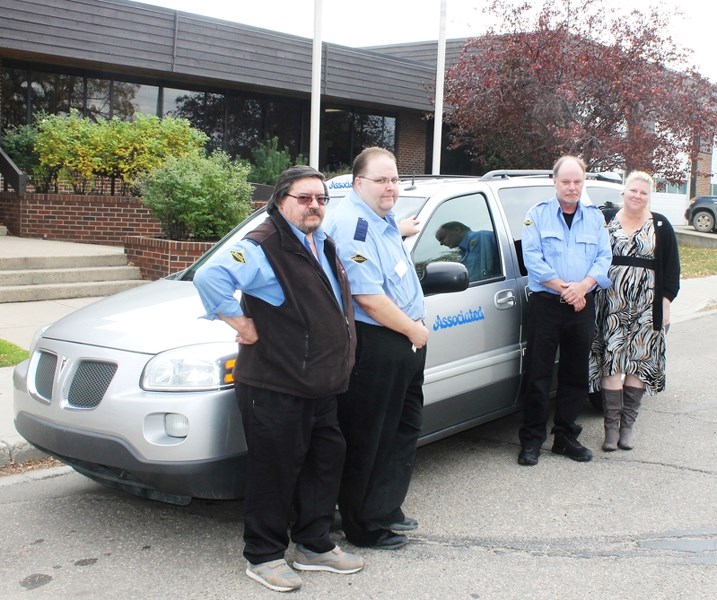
[(20, 320)]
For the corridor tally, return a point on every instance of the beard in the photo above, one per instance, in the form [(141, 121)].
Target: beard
[(304, 227)]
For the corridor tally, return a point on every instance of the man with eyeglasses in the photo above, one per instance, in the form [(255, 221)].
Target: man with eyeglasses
[(295, 327), (381, 413)]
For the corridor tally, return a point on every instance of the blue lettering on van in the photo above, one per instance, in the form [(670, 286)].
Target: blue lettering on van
[(462, 318), (339, 185)]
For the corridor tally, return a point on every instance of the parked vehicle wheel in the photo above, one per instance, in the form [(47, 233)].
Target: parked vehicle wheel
[(703, 221)]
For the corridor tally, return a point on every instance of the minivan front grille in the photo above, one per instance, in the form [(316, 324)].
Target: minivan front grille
[(90, 383), (45, 375)]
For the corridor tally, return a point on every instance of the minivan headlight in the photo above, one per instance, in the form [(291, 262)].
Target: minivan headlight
[(191, 368)]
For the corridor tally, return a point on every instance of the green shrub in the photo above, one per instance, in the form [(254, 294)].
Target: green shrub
[(198, 197), (270, 162), (76, 150)]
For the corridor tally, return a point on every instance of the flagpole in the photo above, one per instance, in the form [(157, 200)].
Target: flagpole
[(315, 121), (440, 78)]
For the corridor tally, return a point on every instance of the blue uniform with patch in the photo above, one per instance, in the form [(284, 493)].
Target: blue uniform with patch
[(374, 256), (381, 413), (244, 267), (552, 250)]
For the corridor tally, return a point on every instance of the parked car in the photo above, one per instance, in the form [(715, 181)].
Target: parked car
[(135, 391), (701, 213)]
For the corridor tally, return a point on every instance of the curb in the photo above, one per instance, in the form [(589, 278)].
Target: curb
[(17, 452)]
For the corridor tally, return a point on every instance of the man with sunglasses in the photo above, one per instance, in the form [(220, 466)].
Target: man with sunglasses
[(295, 328), (381, 413)]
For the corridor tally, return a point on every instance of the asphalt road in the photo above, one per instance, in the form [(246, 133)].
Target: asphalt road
[(630, 525)]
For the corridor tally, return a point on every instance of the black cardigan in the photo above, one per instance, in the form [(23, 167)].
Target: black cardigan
[(667, 263)]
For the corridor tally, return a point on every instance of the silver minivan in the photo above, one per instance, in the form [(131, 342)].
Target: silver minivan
[(135, 390)]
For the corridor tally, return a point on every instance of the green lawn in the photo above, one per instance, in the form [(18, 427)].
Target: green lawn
[(698, 262), (10, 354)]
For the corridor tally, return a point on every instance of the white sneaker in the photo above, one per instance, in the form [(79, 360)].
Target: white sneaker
[(275, 574)]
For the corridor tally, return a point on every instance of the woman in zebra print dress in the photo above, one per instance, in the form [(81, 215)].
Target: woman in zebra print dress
[(633, 315)]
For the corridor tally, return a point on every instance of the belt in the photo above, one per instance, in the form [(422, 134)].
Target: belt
[(556, 297)]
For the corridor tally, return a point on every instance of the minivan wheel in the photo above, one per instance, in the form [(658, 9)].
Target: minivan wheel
[(703, 221)]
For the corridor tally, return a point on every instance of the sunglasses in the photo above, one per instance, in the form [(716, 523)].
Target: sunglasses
[(306, 199)]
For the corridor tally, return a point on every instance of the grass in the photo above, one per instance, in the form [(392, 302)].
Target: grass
[(10, 354), (697, 262)]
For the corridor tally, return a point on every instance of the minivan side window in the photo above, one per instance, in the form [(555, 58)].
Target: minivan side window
[(461, 230)]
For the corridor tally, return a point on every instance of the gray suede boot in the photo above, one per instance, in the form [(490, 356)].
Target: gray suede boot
[(611, 408), (632, 398)]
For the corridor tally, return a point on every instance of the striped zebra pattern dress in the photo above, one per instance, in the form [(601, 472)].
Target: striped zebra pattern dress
[(625, 341)]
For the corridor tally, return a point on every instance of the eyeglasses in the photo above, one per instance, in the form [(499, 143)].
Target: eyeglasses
[(381, 180), (306, 199)]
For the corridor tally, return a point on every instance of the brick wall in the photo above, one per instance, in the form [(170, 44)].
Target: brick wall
[(411, 143), (704, 179), (106, 220), (157, 258)]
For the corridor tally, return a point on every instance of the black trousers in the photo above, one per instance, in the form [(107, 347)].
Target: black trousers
[(381, 417), (295, 455), (554, 325)]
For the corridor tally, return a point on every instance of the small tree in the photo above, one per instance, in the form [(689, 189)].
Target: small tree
[(270, 162), (198, 197), (575, 78)]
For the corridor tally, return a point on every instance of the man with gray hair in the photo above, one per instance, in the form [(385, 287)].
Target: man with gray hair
[(295, 327)]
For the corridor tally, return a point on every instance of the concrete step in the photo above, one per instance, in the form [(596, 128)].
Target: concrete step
[(57, 291), (15, 263), (83, 274)]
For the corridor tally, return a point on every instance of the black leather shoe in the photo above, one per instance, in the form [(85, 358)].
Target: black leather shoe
[(570, 447), (408, 524), (388, 540), (528, 456)]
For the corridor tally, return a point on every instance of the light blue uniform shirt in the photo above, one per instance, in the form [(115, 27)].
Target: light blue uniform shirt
[(551, 250), (244, 266), (376, 261)]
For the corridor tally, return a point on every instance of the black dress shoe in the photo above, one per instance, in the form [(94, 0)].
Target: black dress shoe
[(388, 540), (408, 524), (570, 447), (528, 456)]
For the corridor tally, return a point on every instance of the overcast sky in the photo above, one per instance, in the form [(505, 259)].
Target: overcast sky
[(374, 22)]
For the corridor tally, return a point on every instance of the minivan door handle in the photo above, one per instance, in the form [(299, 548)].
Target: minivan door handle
[(504, 299)]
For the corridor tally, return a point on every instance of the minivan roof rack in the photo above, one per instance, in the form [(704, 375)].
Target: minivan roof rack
[(507, 173)]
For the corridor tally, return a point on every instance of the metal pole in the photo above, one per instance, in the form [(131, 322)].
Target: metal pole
[(440, 78), (315, 124)]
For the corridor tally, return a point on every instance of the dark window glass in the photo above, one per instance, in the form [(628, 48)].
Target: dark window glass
[(98, 98), (285, 120), (56, 94), (245, 125), (130, 99), (14, 98), (204, 111)]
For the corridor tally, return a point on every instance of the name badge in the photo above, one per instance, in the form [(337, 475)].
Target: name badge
[(401, 268)]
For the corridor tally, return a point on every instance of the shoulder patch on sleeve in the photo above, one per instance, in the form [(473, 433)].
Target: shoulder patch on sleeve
[(357, 258), (238, 256), (361, 230)]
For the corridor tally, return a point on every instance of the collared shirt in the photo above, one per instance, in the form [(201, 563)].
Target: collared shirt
[(551, 250), (244, 266), (374, 256), (470, 254)]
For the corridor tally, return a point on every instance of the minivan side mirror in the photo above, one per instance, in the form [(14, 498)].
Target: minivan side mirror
[(443, 278)]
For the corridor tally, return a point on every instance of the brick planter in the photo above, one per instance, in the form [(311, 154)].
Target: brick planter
[(103, 220), (157, 257)]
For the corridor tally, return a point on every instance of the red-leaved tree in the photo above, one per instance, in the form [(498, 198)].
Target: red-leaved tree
[(570, 78)]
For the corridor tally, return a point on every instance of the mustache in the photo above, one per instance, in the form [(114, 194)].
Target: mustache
[(313, 212)]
